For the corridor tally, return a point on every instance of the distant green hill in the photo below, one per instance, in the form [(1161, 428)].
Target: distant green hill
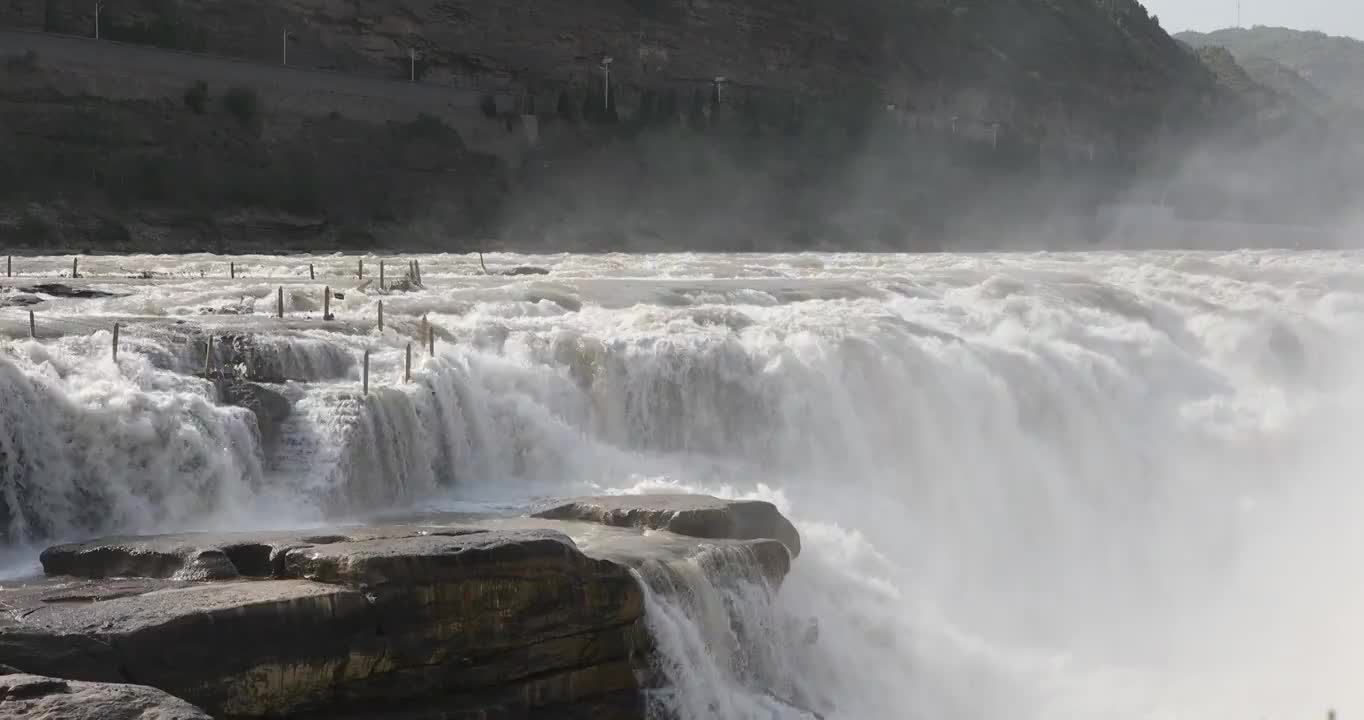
[(1335, 65)]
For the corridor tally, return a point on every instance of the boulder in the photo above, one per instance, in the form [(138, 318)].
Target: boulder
[(404, 284), (524, 270), (20, 300), (34, 697), (699, 516)]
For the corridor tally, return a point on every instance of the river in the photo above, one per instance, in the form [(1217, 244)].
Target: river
[(1075, 485)]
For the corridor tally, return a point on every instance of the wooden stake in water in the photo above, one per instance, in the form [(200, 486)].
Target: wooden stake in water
[(407, 369), (431, 340), (208, 357), (327, 303), (417, 265), (32, 325), (115, 342), (75, 267), (381, 274), (232, 270), (381, 316), (311, 275), (421, 337), (279, 302), (9, 266), (360, 268), (366, 372)]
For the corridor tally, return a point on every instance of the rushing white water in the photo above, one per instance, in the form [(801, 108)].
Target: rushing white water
[(1029, 486)]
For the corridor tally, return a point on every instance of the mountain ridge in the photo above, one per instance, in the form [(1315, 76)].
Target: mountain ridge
[(1334, 64)]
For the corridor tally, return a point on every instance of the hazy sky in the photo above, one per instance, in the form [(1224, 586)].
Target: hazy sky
[(1336, 17)]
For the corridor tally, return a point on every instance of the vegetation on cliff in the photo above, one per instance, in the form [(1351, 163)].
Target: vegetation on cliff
[(83, 172), (888, 125)]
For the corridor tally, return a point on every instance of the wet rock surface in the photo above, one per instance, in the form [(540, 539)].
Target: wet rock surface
[(524, 270), (454, 617), (62, 290), (269, 406), (42, 698), (20, 300), (697, 516)]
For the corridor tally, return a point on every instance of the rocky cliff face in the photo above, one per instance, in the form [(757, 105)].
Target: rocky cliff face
[(176, 175), (886, 123), (1080, 68), (509, 618)]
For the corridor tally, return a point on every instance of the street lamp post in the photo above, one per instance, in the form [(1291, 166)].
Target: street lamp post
[(412, 64), (99, 6), (720, 81), (606, 80), (284, 45)]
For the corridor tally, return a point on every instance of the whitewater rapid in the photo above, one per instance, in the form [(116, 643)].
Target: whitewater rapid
[(1116, 485)]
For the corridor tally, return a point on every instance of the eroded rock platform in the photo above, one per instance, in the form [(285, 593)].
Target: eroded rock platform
[(503, 617), (42, 698)]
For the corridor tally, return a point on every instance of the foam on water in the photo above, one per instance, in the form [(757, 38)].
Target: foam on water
[(1033, 486)]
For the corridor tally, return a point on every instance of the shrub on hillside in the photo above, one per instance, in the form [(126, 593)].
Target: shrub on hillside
[(242, 103), (196, 97)]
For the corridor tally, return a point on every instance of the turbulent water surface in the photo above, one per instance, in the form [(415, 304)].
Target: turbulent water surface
[(1029, 486)]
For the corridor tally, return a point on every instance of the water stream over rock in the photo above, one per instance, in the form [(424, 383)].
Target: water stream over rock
[(1036, 486)]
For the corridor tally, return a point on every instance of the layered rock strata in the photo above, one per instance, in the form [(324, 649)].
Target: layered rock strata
[(494, 618)]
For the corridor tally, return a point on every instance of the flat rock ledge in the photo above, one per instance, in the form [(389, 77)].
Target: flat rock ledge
[(699, 516), (414, 621), (41, 698)]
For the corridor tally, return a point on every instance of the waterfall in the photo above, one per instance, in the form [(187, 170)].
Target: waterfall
[(723, 647), (1037, 486)]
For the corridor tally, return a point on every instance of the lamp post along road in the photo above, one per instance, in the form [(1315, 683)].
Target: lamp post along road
[(412, 64), (606, 81), (99, 7)]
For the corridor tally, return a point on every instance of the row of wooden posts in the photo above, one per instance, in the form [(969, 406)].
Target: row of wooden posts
[(428, 334), (9, 266), (414, 270)]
